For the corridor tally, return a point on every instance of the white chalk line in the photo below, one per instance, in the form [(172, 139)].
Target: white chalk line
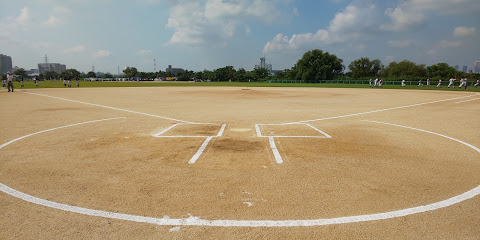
[(114, 108), (468, 100), (196, 221), (276, 153), (271, 139), (201, 149), (52, 129), (369, 112)]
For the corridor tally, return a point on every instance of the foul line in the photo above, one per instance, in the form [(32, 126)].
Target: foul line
[(114, 108), (374, 111), (276, 153), (468, 100)]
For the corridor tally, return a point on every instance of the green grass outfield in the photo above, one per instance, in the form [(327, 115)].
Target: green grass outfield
[(89, 84)]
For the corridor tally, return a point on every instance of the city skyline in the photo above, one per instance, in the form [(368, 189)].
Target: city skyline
[(210, 34)]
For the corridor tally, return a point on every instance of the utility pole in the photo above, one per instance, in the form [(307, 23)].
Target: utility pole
[(46, 63)]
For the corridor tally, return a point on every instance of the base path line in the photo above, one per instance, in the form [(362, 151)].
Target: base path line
[(200, 151), (468, 100), (113, 108), (374, 111), (276, 153)]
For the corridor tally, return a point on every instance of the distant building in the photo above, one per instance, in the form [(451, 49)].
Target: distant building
[(465, 68), (5, 64), (51, 67), (173, 70), (32, 72), (457, 67), (476, 66), (263, 64)]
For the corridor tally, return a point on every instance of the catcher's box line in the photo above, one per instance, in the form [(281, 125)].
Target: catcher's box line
[(196, 221), (201, 149), (271, 139)]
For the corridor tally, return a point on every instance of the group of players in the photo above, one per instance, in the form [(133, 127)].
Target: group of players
[(463, 83)]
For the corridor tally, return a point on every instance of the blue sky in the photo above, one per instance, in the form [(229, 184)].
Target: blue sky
[(210, 34)]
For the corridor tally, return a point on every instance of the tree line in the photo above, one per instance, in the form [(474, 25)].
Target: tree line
[(315, 65)]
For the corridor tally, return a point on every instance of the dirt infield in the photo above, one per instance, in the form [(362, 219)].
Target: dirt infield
[(355, 163)]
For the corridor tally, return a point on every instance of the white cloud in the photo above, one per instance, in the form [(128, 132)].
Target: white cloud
[(411, 13), (215, 21), (102, 54), (449, 44), (464, 31), (24, 17), (75, 49), (61, 10), (355, 22), (144, 52), (400, 43), (52, 21)]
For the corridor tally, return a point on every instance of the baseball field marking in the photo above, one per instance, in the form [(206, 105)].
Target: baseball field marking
[(196, 221), (468, 100), (201, 149)]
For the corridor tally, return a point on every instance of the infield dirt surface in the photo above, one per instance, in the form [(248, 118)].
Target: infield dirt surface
[(117, 165)]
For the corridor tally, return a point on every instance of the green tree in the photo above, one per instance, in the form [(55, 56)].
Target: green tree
[(363, 67), (91, 75), (70, 74), (20, 72), (240, 75), (225, 74), (405, 69), (260, 74), (130, 72), (441, 70), (317, 65), (49, 75)]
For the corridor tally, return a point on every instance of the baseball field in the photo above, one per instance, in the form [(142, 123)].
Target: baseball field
[(239, 162)]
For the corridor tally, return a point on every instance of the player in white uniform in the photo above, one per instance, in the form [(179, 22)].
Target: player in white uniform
[(420, 83), (439, 83), (403, 83), (462, 83), (370, 82), (451, 82), (375, 82), (476, 84), (428, 81)]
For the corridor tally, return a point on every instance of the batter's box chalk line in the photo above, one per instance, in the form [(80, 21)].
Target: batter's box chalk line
[(204, 145), (271, 139)]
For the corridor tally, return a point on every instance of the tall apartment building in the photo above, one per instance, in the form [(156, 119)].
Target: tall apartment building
[(51, 67), (263, 64), (476, 67), (465, 68), (5, 64), (173, 70)]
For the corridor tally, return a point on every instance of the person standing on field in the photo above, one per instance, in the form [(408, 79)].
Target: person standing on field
[(403, 83), (439, 83), (451, 82), (9, 81), (21, 81), (78, 82), (428, 81)]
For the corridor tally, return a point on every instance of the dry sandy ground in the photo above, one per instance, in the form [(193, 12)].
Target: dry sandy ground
[(118, 166)]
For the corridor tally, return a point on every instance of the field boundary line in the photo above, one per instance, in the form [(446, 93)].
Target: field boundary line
[(374, 111), (114, 108), (468, 100)]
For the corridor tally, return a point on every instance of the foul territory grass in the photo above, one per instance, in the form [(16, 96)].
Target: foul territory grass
[(90, 84)]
